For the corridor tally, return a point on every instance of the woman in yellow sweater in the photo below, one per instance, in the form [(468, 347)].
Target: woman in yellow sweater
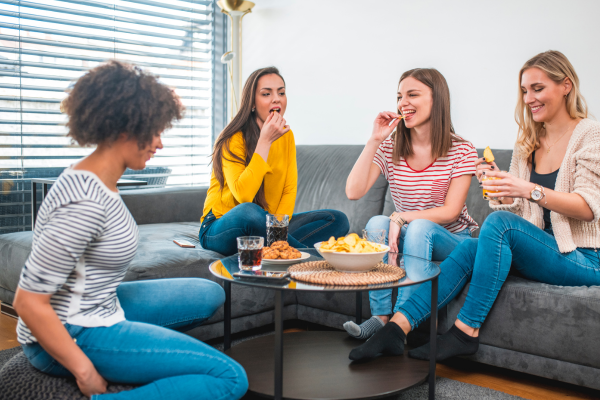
[(254, 173)]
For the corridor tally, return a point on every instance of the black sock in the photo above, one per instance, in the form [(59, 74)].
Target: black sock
[(452, 343), (416, 339), (389, 340)]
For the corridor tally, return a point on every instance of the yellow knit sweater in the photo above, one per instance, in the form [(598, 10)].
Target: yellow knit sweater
[(279, 172), (579, 173)]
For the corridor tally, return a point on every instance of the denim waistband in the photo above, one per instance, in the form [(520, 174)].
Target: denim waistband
[(206, 223)]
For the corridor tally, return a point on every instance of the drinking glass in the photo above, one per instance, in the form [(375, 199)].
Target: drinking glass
[(277, 228), (250, 252), (374, 235), (485, 192)]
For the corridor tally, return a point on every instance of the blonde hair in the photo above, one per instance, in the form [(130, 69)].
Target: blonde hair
[(557, 67)]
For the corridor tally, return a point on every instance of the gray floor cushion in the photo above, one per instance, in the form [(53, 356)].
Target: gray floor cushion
[(19, 380)]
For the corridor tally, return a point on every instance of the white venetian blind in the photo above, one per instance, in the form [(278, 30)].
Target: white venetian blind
[(45, 45)]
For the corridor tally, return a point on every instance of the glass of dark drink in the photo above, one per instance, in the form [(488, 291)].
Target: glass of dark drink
[(250, 252), (277, 228)]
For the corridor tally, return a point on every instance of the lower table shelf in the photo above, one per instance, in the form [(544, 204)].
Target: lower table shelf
[(316, 366)]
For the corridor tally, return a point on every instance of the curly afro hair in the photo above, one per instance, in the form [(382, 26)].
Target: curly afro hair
[(116, 98)]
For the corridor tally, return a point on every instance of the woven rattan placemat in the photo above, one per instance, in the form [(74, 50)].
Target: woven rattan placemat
[(322, 273)]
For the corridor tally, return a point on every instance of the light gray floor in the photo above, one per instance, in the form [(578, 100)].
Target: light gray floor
[(447, 389)]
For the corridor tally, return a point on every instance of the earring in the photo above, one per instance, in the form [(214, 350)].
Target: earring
[(253, 109)]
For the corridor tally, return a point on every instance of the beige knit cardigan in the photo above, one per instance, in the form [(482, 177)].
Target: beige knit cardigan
[(579, 173)]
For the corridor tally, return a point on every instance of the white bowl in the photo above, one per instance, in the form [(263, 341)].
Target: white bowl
[(353, 262)]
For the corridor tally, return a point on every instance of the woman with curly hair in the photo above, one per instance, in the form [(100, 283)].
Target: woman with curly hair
[(77, 318), (255, 173)]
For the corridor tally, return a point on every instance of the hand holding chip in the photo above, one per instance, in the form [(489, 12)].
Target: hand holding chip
[(384, 125)]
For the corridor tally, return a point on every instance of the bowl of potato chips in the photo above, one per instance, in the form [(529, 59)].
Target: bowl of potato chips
[(351, 253)]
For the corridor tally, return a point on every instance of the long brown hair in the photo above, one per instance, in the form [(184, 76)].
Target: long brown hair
[(442, 131), (558, 67), (244, 121)]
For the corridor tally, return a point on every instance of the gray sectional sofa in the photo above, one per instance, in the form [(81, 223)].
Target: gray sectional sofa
[(540, 329)]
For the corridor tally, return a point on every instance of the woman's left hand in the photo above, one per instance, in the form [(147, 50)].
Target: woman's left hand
[(508, 185)]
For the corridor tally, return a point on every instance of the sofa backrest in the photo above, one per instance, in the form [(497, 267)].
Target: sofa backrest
[(163, 205), (322, 174)]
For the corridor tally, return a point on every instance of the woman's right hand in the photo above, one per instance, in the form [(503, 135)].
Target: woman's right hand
[(381, 126), (90, 382), (481, 166), (394, 236), (274, 127)]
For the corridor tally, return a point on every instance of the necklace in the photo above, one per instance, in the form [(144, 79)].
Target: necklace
[(561, 136)]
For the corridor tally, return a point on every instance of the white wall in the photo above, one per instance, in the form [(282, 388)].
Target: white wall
[(342, 59)]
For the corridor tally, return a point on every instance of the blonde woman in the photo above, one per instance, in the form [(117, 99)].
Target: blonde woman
[(548, 222)]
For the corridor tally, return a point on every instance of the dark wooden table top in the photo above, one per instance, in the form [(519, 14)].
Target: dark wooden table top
[(316, 366)]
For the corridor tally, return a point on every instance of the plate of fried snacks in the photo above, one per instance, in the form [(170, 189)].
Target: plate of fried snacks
[(352, 253), (281, 253)]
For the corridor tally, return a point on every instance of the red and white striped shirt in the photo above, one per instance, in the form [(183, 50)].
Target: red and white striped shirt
[(421, 190)]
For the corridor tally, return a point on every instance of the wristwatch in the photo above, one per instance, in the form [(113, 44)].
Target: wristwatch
[(398, 219), (536, 194)]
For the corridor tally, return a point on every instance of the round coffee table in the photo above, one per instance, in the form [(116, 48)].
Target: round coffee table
[(317, 364)]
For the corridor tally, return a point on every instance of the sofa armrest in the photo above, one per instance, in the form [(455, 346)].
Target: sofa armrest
[(163, 205)]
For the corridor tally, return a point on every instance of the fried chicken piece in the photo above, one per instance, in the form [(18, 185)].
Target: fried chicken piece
[(280, 245), (280, 251), (270, 253), (289, 254)]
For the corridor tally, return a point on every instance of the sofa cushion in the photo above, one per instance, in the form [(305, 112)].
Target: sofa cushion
[(555, 322), (14, 250), (322, 174), (157, 256)]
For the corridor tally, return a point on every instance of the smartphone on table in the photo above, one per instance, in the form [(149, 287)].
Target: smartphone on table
[(266, 275)]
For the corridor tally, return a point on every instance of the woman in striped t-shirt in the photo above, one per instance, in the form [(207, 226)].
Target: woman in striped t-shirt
[(77, 318), (429, 169)]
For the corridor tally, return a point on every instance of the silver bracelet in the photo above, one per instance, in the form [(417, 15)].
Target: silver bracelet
[(544, 195)]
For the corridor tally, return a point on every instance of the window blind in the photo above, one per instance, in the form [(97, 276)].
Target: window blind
[(45, 45)]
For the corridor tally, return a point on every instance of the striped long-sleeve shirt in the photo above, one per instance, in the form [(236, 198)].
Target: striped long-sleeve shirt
[(421, 190), (83, 241)]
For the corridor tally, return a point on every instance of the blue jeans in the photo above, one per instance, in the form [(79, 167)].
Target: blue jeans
[(505, 239), (146, 350), (249, 219), (422, 238)]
